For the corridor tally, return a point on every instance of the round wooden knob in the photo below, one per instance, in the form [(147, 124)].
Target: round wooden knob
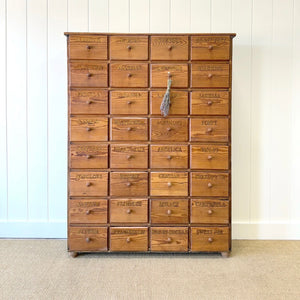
[(128, 184), (128, 240), (210, 47), (210, 212), (169, 128), (209, 130), (89, 102), (129, 75), (170, 48), (88, 184), (88, 212), (210, 76), (88, 129), (169, 157), (129, 156), (87, 239), (88, 47), (169, 240), (209, 157), (129, 128), (169, 212), (210, 239), (209, 103), (209, 185), (129, 211), (89, 156), (89, 75), (169, 183), (129, 102), (129, 47)]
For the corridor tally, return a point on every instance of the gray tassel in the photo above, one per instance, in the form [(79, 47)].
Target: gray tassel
[(165, 104)]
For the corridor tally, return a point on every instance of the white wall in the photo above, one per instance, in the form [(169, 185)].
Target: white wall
[(266, 104)]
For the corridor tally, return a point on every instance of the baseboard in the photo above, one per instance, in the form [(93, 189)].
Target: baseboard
[(240, 230)]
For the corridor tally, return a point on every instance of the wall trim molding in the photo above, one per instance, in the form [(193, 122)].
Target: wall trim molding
[(240, 230)]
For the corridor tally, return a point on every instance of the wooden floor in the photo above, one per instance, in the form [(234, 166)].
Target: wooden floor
[(42, 269)]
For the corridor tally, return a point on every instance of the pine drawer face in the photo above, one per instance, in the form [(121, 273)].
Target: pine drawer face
[(149, 142)]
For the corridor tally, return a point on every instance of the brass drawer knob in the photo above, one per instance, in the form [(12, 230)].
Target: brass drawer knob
[(129, 47), (209, 157), (88, 47), (89, 102), (169, 184), (89, 156), (210, 47), (169, 240), (210, 212), (88, 129), (129, 156), (128, 211), (88, 184), (210, 75), (169, 157), (89, 75), (169, 212), (209, 185), (128, 240), (129, 184), (88, 239), (209, 103), (209, 130), (88, 212), (210, 239)]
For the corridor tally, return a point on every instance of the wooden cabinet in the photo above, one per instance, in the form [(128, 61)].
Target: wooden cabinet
[(139, 181)]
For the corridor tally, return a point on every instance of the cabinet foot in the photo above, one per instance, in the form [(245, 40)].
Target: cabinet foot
[(73, 254), (225, 254)]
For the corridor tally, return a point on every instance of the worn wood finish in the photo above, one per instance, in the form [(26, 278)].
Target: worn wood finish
[(138, 181), (169, 211), (128, 210)]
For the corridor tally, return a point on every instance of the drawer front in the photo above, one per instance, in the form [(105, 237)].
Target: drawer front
[(209, 102), (169, 48), (129, 75), (129, 129), (129, 156), (210, 47), (178, 72), (210, 75), (129, 47), (169, 239), (88, 74), (88, 101), (87, 239), (212, 239), (209, 129), (129, 239), (209, 211), (88, 184), (133, 184), (128, 211), (91, 211), (169, 211), (209, 157), (169, 184), (87, 47), (128, 103), (209, 184), (169, 156), (174, 130), (88, 155), (88, 129), (178, 102)]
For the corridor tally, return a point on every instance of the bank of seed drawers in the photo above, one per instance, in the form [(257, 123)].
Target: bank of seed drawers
[(138, 181)]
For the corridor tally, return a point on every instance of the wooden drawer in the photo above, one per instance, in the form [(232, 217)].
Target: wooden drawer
[(128, 103), (178, 102), (169, 48), (209, 184), (87, 47), (169, 239), (129, 75), (178, 72), (88, 129), (129, 129), (169, 211), (88, 101), (206, 75), (129, 47), (206, 129), (128, 211), (88, 155), (129, 156), (87, 239), (129, 184), (211, 239), (210, 47), (91, 211), (209, 211), (169, 184), (209, 102), (129, 239), (88, 73), (174, 130), (88, 184), (169, 156), (209, 157)]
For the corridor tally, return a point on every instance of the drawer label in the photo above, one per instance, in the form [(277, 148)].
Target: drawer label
[(209, 68), (174, 175), (209, 95), (128, 231), (209, 204), (170, 68), (88, 176), (88, 231), (208, 176), (90, 149), (87, 121), (168, 149), (210, 39), (209, 149), (209, 122), (129, 176), (169, 231), (129, 67), (168, 204), (88, 204), (215, 231), (129, 94), (87, 39), (129, 122), (88, 93), (129, 149), (129, 203), (170, 40), (89, 67), (170, 122)]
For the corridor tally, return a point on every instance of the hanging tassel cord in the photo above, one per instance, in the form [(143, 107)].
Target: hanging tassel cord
[(165, 104)]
